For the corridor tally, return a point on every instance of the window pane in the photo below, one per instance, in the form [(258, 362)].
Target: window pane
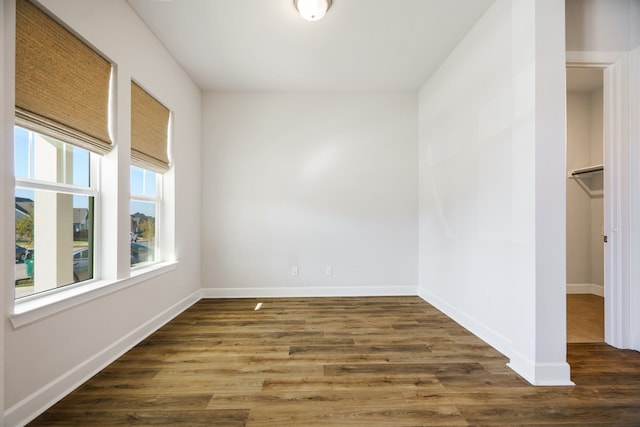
[(149, 183), (81, 166), (143, 182), (59, 228), (143, 232), (46, 159), (137, 180), (22, 153)]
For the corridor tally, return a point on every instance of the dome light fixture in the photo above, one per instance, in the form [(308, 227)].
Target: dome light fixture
[(312, 10)]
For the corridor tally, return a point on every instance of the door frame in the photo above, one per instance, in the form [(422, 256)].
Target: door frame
[(617, 310), (634, 197)]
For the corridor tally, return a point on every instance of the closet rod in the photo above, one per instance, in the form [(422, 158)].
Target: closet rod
[(589, 169)]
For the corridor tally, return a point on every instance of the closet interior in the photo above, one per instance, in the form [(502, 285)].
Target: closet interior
[(585, 205)]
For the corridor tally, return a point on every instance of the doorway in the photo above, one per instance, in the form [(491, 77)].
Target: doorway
[(586, 237), (619, 200)]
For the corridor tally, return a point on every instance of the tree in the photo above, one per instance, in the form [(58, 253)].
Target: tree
[(24, 229), (148, 228)]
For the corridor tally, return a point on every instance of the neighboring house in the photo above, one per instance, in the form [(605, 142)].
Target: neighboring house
[(21, 214), (24, 208), (137, 219), (80, 219)]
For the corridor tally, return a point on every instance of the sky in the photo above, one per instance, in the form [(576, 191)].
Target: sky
[(142, 181)]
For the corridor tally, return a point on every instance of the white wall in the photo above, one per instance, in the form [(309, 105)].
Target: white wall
[(492, 234), (578, 200), (602, 25), (47, 358), (465, 175), (309, 180), (634, 17)]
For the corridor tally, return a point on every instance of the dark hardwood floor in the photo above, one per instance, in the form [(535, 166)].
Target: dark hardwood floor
[(390, 361)]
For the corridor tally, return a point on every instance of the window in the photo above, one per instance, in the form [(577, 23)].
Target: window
[(145, 205), (65, 120), (149, 157), (55, 198), (62, 89)]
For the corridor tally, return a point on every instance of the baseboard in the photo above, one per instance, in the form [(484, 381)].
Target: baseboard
[(292, 292), (585, 288), (479, 329), (546, 374), (39, 401), (541, 374)]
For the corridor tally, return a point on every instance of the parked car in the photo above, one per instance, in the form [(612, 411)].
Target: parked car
[(81, 263), (21, 252)]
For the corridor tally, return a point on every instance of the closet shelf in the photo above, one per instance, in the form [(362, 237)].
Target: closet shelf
[(585, 172)]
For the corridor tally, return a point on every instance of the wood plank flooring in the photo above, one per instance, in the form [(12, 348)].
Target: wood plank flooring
[(585, 318), (390, 361)]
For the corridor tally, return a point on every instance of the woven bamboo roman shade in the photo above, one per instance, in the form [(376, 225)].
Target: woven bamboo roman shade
[(62, 85), (149, 131)]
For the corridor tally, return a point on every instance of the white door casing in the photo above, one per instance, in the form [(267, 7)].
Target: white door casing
[(615, 66)]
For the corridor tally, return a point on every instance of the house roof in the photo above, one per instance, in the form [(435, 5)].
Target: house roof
[(24, 206), (80, 215)]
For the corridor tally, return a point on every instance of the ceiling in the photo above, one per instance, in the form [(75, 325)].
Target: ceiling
[(264, 45)]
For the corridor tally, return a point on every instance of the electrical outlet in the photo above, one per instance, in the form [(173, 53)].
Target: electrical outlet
[(294, 270), (328, 271)]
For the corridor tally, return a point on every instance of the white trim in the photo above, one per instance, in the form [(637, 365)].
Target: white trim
[(38, 307), (634, 195), (616, 188), (540, 374), (7, 201), (489, 335), (585, 288), (39, 401), (292, 292), (32, 184), (594, 59)]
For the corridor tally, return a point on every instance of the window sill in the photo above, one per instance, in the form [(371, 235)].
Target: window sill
[(37, 308)]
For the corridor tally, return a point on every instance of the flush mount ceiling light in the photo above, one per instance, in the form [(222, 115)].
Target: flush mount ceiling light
[(312, 10)]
